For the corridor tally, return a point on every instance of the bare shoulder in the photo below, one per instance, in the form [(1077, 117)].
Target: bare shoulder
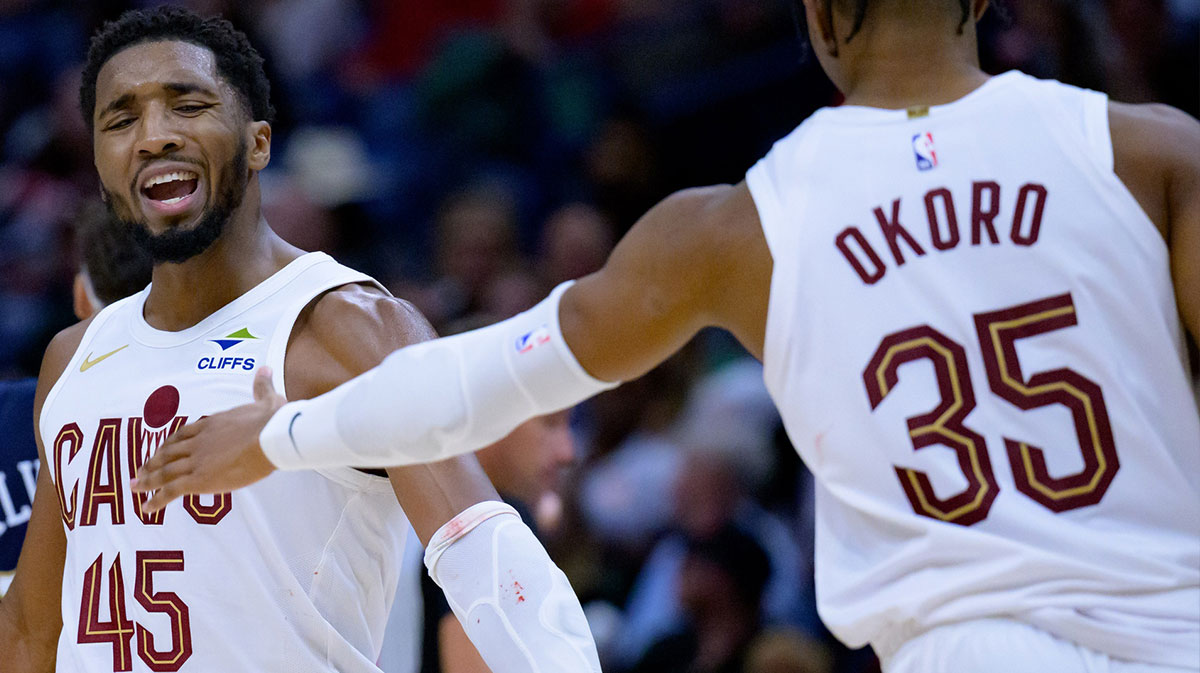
[(346, 331), (58, 353), (725, 255), (700, 230), (1156, 152), (716, 215), (1147, 119), (1154, 132)]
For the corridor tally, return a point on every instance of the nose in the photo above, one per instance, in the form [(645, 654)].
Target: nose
[(158, 136)]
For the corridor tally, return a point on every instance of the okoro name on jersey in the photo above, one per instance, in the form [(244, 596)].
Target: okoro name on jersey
[(944, 232)]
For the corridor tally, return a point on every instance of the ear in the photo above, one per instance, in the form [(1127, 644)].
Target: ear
[(981, 7), (260, 145), (820, 20)]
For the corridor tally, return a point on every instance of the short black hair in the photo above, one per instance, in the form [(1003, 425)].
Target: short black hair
[(116, 265), (238, 63)]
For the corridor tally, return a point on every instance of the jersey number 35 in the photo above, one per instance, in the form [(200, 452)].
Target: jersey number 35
[(998, 333)]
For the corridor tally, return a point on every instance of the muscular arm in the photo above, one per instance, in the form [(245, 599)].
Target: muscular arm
[(697, 259), (320, 357), (31, 612), (549, 631), (1157, 155), (455, 650)]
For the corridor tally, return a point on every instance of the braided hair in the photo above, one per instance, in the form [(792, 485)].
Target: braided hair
[(860, 14)]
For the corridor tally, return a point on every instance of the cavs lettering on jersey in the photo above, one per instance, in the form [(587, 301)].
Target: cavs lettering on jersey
[(294, 573), (973, 339)]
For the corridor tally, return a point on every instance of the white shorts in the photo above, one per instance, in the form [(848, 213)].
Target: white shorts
[(1005, 646)]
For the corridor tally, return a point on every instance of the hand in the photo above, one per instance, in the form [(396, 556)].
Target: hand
[(213, 455)]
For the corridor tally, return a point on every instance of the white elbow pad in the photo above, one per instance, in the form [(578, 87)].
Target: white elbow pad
[(436, 399), (514, 603)]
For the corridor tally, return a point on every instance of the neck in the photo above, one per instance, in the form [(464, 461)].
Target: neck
[(896, 65), (246, 254)]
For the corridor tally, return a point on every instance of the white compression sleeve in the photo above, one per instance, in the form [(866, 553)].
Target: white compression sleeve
[(436, 399), (514, 603)]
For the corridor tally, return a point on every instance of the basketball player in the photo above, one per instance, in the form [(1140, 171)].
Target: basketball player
[(297, 572), (969, 295)]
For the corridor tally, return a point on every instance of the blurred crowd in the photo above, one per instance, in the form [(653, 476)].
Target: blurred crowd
[(471, 154)]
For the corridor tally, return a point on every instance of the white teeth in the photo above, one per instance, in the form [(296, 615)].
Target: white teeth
[(169, 177), (177, 199)]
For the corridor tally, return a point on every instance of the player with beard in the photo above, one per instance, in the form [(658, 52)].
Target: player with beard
[(970, 296), (298, 572), (181, 244)]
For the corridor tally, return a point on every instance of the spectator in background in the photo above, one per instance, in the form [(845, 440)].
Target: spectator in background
[(721, 588), (785, 651), (576, 240), (1154, 55), (111, 267), (475, 244)]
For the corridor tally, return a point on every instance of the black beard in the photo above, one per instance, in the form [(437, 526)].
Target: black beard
[(175, 246)]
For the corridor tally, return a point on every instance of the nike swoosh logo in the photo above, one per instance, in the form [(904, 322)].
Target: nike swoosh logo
[(88, 362), (292, 423)]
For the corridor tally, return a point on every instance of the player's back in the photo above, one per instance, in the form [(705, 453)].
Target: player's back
[(974, 343)]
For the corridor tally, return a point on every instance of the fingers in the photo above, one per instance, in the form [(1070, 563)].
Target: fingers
[(165, 496), (171, 481), (175, 448), (263, 388), (163, 466)]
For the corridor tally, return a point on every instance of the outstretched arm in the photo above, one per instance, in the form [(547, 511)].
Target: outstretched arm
[(698, 258), (478, 548)]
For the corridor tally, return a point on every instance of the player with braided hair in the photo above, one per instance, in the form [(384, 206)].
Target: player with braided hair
[(969, 294)]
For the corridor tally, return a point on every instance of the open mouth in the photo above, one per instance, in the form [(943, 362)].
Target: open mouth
[(171, 188)]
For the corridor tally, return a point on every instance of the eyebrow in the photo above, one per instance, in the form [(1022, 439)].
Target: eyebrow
[(176, 88), (120, 102), (183, 88)]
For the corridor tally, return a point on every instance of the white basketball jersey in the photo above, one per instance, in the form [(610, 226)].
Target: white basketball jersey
[(294, 573), (974, 343)]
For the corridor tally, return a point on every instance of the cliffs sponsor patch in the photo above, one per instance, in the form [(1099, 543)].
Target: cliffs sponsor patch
[(234, 339), (225, 363)]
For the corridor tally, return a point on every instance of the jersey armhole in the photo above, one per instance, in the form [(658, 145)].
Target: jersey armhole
[(337, 277), (73, 363), (785, 161), (1096, 129)]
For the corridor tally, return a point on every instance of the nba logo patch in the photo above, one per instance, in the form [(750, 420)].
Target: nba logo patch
[(925, 151), (529, 340)]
